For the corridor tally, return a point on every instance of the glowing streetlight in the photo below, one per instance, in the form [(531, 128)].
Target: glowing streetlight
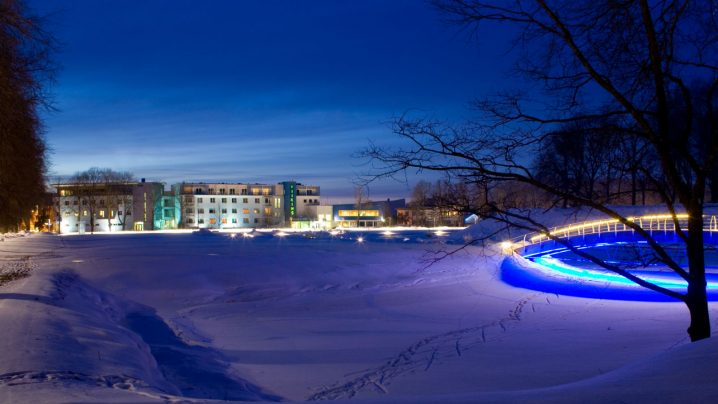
[(506, 247)]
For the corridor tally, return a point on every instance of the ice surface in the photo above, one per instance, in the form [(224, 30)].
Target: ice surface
[(158, 317)]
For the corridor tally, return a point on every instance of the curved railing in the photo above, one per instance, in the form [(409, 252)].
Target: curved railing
[(651, 223)]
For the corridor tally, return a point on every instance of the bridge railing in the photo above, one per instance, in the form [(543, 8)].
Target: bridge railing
[(650, 223)]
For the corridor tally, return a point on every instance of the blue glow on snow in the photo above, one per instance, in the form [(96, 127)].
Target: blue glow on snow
[(543, 271)]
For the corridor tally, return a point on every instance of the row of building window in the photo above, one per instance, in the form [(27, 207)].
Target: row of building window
[(224, 200), (190, 211), (233, 191), (223, 220), (100, 213), (84, 202)]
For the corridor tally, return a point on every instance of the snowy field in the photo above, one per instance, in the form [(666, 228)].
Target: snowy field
[(185, 317)]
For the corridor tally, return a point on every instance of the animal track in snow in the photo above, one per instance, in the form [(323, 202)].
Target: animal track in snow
[(421, 355)]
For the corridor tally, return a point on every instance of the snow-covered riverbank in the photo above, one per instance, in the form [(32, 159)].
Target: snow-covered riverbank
[(153, 317)]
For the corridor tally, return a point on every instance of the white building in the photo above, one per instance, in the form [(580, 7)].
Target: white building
[(102, 207), (227, 206)]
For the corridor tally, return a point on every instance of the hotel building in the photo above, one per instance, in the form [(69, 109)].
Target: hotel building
[(238, 205)]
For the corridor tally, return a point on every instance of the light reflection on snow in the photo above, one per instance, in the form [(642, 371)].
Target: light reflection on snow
[(546, 272)]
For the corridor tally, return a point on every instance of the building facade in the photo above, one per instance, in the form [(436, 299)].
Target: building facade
[(106, 207), (429, 217), (367, 214), (139, 206), (239, 205)]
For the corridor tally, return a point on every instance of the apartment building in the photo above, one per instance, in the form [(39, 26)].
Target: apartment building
[(112, 206), (239, 205)]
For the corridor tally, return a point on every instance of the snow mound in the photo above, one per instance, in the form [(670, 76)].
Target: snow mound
[(74, 335)]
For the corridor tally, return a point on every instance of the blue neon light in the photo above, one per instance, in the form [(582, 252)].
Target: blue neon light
[(544, 272)]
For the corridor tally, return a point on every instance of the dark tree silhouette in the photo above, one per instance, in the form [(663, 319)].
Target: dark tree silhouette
[(24, 69), (629, 64)]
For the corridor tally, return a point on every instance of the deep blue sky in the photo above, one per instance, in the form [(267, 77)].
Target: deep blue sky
[(259, 91)]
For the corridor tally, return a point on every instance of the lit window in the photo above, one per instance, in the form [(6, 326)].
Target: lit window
[(256, 211), (102, 213), (245, 211), (224, 220), (212, 221)]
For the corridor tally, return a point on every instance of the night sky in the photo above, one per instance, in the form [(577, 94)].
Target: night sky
[(260, 91)]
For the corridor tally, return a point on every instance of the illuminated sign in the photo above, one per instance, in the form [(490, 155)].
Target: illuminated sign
[(292, 200), (357, 213)]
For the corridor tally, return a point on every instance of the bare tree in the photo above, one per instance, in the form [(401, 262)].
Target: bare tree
[(628, 63), (117, 192), (100, 192)]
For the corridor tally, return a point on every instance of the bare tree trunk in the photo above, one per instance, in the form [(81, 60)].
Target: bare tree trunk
[(696, 298)]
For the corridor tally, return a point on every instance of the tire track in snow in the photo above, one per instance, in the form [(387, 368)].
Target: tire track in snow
[(421, 355)]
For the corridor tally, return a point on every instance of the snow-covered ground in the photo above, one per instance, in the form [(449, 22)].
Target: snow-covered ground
[(188, 317)]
